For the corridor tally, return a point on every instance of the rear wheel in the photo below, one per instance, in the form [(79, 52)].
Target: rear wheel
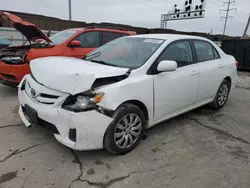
[(221, 95), (126, 130)]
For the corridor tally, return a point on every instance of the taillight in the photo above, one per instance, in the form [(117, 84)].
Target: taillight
[(237, 64)]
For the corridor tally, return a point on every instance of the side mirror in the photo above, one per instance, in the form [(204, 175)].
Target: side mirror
[(75, 44), (49, 33), (167, 66)]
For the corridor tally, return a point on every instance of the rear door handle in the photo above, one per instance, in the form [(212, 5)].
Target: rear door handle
[(221, 65), (194, 73)]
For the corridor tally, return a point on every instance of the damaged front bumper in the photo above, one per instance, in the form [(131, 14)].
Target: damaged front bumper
[(8, 83), (13, 74), (79, 131)]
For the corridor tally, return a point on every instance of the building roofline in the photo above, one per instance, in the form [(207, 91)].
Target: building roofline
[(29, 14)]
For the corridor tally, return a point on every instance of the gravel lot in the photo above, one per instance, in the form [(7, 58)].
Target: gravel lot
[(243, 80), (201, 149)]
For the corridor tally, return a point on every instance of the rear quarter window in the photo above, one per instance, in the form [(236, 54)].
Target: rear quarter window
[(109, 36)]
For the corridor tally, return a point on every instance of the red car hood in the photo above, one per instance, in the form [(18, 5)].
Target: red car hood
[(29, 30)]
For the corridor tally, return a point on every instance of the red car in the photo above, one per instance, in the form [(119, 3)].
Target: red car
[(14, 61)]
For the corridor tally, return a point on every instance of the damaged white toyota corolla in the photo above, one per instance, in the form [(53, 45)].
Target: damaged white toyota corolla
[(108, 98)]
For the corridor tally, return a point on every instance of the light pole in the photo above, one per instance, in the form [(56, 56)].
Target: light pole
[(69, 9), (227, 12), (247, 26)]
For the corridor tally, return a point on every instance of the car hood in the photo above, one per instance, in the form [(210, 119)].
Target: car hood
[(71, 75), (29, 30)]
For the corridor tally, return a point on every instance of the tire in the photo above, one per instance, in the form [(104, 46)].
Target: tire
[(221, 99), (113, 143)]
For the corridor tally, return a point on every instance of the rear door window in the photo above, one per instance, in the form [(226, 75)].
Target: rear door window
[(205, 51), (109, 36)]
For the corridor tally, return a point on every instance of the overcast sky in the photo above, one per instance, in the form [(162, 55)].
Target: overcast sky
[(145, 13)]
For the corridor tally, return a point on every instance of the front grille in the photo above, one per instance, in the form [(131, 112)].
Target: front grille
[(46, 100), (43, 98), (9, 77), (48, 126), (48, 96), (45, 124), (8, 83)]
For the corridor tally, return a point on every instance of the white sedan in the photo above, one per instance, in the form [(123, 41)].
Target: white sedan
[(108, 98)]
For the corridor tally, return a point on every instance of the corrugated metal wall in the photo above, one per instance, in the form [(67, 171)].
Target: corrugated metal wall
[(51, 23), (240, 49)]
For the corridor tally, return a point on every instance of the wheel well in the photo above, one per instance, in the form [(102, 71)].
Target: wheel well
[(228, 78), (140, 105)]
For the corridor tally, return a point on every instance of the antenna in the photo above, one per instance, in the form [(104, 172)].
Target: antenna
[(228, 3)]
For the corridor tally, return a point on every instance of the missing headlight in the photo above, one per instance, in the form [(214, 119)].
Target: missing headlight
[(82, 102)]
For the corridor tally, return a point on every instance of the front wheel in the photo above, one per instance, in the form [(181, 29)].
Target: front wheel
[(126, 130), (221, 95)]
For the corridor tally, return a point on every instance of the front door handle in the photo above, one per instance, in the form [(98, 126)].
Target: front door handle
[(221, 65), (194, 73)]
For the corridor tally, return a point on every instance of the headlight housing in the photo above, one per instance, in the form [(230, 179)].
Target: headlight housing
[(82, 102), (22, 85), (12, 60)]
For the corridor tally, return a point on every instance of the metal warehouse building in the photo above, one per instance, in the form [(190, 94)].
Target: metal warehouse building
[(56, 24), (45, 22)]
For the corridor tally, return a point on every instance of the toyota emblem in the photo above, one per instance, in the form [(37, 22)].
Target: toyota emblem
[(33, 92)]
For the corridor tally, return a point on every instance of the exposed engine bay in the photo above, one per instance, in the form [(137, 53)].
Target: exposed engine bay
[(13, 55), (16, 54)]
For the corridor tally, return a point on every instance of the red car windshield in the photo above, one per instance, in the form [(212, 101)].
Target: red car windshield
[(62, 36)]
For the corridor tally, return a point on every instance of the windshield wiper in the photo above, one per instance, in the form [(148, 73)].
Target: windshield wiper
[(103, 63), (92, 56)]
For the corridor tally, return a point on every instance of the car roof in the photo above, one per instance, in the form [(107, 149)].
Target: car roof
[(101, 29), (75, 29), (168, 36)]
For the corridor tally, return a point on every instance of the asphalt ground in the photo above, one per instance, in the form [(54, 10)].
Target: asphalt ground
[(203, 148)]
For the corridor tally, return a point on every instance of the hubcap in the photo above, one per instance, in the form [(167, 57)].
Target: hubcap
[(127, 131), (223, 94)]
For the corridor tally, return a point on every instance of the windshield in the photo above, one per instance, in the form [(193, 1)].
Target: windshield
[(62, 36), (129, 52), (4, 41)]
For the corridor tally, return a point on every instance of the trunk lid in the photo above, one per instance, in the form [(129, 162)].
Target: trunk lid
[(29, 30), (71, 75)]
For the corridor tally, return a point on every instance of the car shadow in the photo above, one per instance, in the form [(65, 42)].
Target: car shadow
[(161, 130)]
